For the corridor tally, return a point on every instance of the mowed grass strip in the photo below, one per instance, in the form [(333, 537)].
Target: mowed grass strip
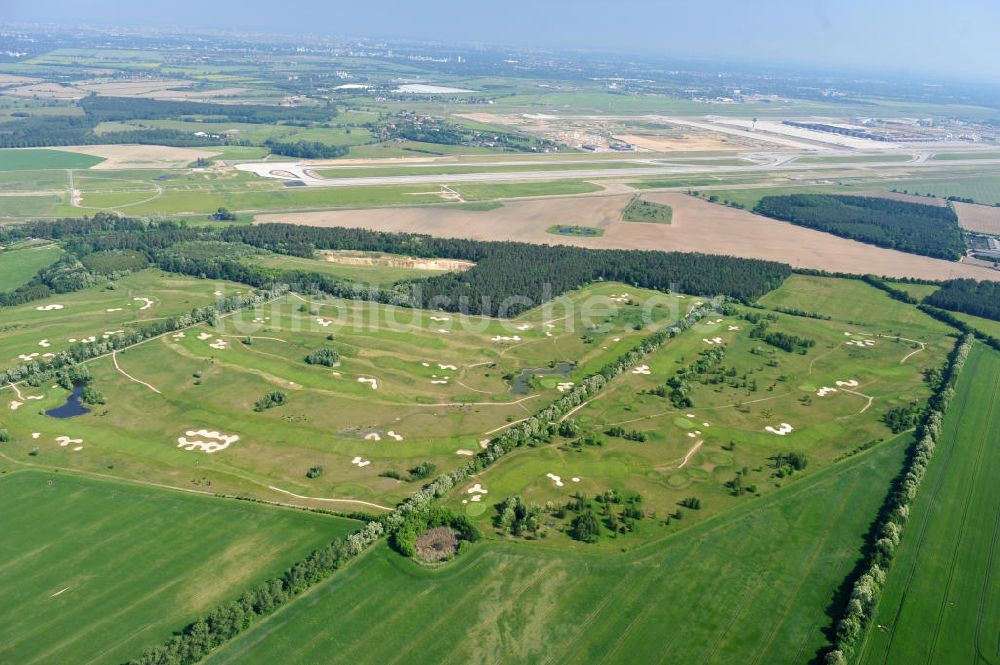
[(18, 266), (751, 587), (94, 571), (942, 599)]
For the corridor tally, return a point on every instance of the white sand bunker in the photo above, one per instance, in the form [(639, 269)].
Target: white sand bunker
[(548, 333), (88, 340), (484, 443), (207, 441), (323, 322), (35, 397), (641, 369), (360, 463), (111, 333), (15, 405), (373, 436), (216, 293), (690, 415), (714, 340), (220, 344), (35, 435), (451, 367), (824, 391), (503, 338), (863, 343), (524, 326), (146, 302), (477, 491), (205, 335), (564, 386), (113, 309), (443, 331), (395, 435), (28, 356), (850, 383), (691, 434), (439, 382), (781, 430), (372, 382), (575, 479), (65, 441), (847, 333), (465, 452), (178, 335), (48, 308), (556, 479), (72, 340), (616, 339), (439, 319), (622, 298), (44, 343), (426, 364), (733, 328)]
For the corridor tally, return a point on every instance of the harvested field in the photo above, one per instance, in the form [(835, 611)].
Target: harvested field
[(11, 79), (140, 156), (47, 91), (973, 217), (167, 89), (697, 226)]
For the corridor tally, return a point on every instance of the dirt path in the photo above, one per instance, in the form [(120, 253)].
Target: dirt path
[(691, 452), (313, 498), (911, 353), (114, 357)]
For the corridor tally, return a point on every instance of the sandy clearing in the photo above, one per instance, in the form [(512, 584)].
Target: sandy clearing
[(140, 156), (984, 219), (697, 226)]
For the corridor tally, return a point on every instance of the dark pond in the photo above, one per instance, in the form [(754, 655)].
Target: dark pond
[(72, 408), (520, 384)]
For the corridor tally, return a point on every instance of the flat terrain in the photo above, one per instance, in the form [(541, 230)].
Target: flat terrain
[(141, 156), (696, 226), (94, 570), (40, 158), (941, 602), (984, 219), (18, 266), (750, 587)]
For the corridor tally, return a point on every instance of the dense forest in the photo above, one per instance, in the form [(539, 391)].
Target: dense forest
[(908, 227), (132, 108), (970, 297), (507, 279)]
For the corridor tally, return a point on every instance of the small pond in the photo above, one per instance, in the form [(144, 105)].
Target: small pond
[(72, 408), (521, 383)]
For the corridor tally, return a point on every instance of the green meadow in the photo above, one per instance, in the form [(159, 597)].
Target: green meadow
[(18, 265), (42, 158), (96, 570)]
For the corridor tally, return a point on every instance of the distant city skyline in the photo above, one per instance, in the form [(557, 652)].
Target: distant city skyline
[(908, 38)]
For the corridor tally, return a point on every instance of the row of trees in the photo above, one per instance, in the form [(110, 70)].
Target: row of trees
[(908, 227), (865, 593)]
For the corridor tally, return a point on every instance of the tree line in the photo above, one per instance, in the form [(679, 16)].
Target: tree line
[(968, 296), (901, 225)]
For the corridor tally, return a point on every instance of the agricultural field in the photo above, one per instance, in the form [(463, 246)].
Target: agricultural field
[(95, 569), (41, 159), (19, 264), (942, 597), (761, 578)]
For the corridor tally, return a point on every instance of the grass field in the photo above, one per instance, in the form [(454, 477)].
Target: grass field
[(19, 265), (646, 211), (579, 231), (941, 602), (749, 587), (443, 382), (94, 571), (385, 271), (31, 159), (451, 169)]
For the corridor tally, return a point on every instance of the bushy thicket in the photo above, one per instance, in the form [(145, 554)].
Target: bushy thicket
[(856, 617), (403, 536), (908, 227)]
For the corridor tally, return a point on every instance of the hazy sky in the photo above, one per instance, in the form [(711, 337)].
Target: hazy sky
[(911, 36)]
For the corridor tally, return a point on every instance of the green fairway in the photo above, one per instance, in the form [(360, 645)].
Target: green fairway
[(23, 160), (94, 571), (18, 266), (941, 602), (750, 587)]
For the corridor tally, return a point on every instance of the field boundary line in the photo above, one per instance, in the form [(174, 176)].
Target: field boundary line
[(314, 498)]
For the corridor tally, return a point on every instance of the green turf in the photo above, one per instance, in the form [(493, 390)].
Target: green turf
[(33, 158), (749, 587), (578, 231), (94, 571), (639, 210), (18, 266), (941, 602), (955, 156)]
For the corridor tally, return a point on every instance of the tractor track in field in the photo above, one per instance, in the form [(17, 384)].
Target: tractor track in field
[(921, 535), (984, 436)]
